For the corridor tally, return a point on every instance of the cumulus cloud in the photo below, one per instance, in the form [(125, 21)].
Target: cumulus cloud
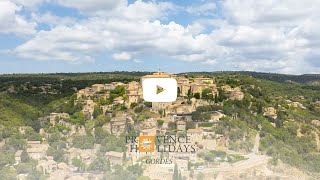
[(12, 22), (52, 20), (206, 9), (62, 43), (278, 36), (93, 7), (121, 56), (138, 61)]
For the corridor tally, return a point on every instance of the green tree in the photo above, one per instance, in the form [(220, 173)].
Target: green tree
[(148, 104), (216, 99), (24, 156), (79, 164), (133, 105), (6, 159), (8, 173), (207, 94), (196, 95), (136, 169), (83, 142), (200, 176), (175, 175), (101, 120), (100, 164), (160, 122), (97, 111)]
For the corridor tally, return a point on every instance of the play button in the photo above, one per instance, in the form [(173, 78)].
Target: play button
[(159, 89)]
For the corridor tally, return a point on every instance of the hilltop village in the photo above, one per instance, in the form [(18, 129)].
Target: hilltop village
[(90, 143)]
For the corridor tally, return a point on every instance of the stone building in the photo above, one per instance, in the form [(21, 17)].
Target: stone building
[(47, 166), (181, 125), (202, 80), (133, 92), (36, 150), (17, 156), (56, 117), (195, 134), (114, 157), (97, 87), (270, 112)]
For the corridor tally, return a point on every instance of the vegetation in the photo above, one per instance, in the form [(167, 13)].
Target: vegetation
[(289, 137)]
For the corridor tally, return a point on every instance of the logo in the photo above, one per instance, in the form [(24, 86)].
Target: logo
[(168, 143), (146, 143), (159, 89)]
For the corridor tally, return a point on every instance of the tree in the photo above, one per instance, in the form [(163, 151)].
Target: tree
[(178, 91), (24, 156), (8, 173), (100, 164), (207, 94), (133, 105), (83, 142), (101, 120), (196, 95), (160, 122), (143, 178), (180, 176), (216, 100), (148, 104), (136, 169), (200, 176), (124, 157), (189, 92), (57, 154), (175, 175), (97, 111), (79, 164), (222, 95), (6, 159)]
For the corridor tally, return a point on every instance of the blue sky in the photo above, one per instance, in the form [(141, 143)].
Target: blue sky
[(46, 36)]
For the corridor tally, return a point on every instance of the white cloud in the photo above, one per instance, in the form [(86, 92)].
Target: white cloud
[(209, 61), (206, 9), (62, 43), (31, 4), (93, 7), (121, 56), (137, 61), (278, 36), (53, 20), (11, 22)]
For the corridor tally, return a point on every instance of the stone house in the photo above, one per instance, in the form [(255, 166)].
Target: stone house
[(236, 95), (148, 132), (114, 157), (133, 92), (158, 74), (36, 150), (17, 156), (47, 166), (316, 122), (97, 87), (86, 155), (202, 80), (88, 108), (156, 106), (181, 125), (182, 164), (56, 117), (216, 116), (270, 112), (195, 134)]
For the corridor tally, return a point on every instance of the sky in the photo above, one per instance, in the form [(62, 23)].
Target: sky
[(48, 36)]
